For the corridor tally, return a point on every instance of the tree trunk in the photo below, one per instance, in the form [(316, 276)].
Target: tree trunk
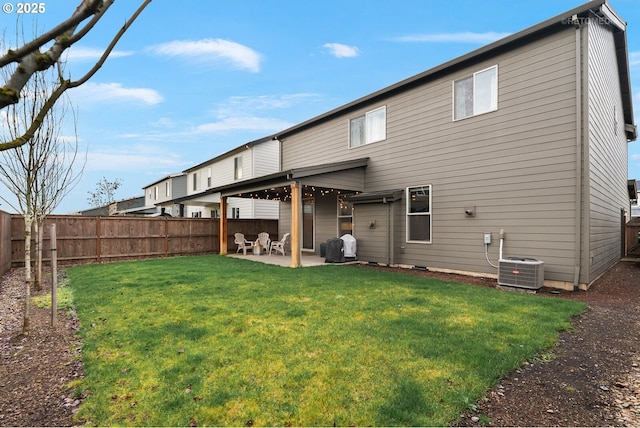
[(28, 221)]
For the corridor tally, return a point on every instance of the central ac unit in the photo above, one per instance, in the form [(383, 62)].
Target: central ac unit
[(521, 272)]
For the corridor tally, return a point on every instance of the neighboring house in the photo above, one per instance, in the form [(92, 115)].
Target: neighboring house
[(161, 193), (633, 195), (250, 160), (527, 135), (130, 206)]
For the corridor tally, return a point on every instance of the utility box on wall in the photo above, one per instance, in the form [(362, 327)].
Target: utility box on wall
[(521, 272)]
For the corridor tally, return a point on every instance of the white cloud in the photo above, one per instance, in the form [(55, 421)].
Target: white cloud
[(90, 93), (214, 51), (465, 37), (132, 159), (341, 51), (243, 105), (80, 53), (244, 123)]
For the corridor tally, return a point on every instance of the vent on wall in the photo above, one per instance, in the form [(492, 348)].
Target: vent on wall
[(521, 272)]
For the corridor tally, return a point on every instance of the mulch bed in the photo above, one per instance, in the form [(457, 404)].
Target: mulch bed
[(592, 379)]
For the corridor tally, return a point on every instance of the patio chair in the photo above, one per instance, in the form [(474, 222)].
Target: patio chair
[(279, 245), (242, 243), (265, 242)]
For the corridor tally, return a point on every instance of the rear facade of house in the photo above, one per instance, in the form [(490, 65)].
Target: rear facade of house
[(527, 136)]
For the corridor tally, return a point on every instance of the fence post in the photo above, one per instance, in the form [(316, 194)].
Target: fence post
[(98, 244), (54, 275)]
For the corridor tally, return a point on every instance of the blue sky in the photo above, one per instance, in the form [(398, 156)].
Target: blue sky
[(193, 79)]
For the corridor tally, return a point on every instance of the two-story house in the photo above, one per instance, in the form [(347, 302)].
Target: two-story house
[(250, 160), (526, 136), (162, 193)]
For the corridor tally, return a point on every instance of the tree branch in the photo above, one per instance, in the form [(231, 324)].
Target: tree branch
[(9, 95)]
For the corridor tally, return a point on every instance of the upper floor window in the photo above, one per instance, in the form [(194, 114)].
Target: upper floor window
[(167, 189), (476, 94), (370, 128), (237, 168), (155, 193), (195, 181)]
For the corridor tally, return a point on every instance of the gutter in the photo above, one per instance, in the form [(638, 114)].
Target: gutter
[(578, 208)]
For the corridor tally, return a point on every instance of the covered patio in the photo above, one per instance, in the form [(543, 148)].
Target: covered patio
[(291, 187)]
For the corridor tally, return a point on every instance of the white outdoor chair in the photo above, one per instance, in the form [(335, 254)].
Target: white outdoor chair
[(265, 242), (279, 245), (242, 243)]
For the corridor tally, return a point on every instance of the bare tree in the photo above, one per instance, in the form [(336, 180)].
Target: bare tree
[(105, 192), (41, 172), (31, 61)]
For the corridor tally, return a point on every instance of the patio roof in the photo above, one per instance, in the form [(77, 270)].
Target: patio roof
[(344, 175)]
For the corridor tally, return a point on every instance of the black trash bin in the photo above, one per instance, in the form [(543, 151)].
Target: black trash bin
[(335, 251), (323, 249)]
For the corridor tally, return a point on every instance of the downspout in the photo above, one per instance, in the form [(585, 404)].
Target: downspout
[(390, 229), (578, 207)]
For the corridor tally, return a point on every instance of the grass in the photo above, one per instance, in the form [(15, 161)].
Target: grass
[(210, 340), (64, 297)]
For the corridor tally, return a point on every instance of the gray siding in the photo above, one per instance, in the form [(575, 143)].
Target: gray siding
[(607, 152), (373, 243), (516, 165)]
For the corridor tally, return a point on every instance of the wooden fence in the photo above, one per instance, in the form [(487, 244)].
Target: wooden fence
[(632, 238), (5, 242), (84, 239)]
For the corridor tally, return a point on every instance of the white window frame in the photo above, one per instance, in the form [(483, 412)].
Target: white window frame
[(167, 189), (409, 214), (208, 177), (493, 102), (155, 193), (194, 179), (370, 134)]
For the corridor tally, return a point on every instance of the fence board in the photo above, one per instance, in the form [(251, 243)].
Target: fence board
[(5, 242), (632, 238), (84, 239)]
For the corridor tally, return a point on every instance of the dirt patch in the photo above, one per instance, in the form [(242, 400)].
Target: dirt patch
[(592, 378), (35, 369)]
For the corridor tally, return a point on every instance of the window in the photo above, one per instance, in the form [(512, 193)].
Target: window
[(419, 214), (476, 94), (167, 189), (237, 168), (370, 128), (235, 212), (195, 181), (196, 214), (155, 193), (215, 213), (345, 216), (209, 177)]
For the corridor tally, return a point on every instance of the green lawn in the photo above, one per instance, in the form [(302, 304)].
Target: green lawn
[(213, 340)]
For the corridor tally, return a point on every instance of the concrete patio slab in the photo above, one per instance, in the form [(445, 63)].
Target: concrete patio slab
[(306, 260)]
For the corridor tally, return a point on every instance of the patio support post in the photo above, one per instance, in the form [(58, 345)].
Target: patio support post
[(223, 225), (296, 207)]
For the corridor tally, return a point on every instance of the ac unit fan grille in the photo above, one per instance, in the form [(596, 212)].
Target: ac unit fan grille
[(521, 272)]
